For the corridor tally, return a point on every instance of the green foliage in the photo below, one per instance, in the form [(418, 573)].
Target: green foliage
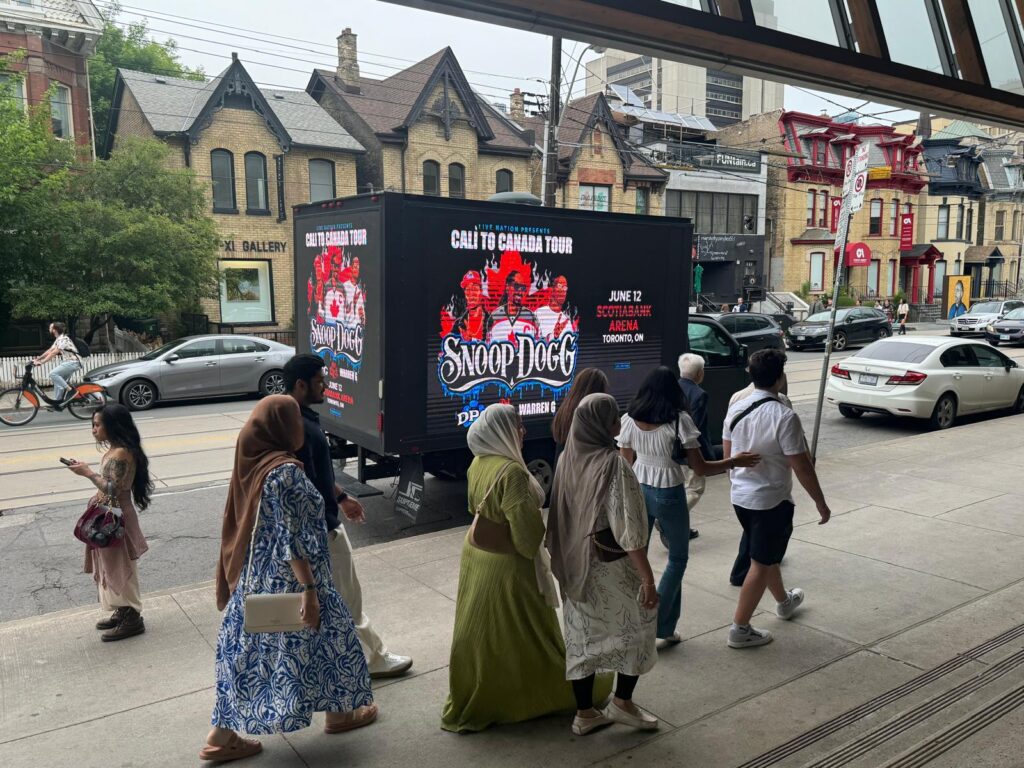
[(128, 48), (805, 291)]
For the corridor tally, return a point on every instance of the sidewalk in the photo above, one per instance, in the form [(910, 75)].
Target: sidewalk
[(912, 630)]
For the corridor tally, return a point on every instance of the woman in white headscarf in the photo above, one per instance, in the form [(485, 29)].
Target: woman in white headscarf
[(507, 658), (597, 536)]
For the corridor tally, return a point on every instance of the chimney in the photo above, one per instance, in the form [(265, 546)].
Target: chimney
[(348, 63), (924, 125), (517, 111)]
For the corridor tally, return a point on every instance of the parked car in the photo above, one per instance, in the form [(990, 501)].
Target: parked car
[(854, 325), (980, 315), (725, 367), (754, 330), (926, 377), (1009, 330), (196, 366)]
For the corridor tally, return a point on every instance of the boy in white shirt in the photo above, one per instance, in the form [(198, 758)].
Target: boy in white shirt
[(762, 495)]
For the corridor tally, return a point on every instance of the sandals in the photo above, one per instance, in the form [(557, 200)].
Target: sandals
[(358, 718), (236, 749)]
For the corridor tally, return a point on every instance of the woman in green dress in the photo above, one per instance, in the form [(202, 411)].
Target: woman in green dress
[(508, 658)]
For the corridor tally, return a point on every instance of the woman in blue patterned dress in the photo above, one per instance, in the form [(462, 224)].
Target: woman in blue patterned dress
[(274, 682)]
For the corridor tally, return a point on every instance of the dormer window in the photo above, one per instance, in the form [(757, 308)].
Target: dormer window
[(897, 163)]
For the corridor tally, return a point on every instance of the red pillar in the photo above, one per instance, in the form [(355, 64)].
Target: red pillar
[(930, 298), (915, 284)]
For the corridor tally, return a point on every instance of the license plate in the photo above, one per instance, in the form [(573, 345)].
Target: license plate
[(801, 338), (1004, 337), (868, 378)]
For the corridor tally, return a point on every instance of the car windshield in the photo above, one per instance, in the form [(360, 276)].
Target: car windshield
[(823, 317), (895, 351), (1014, 314), (985, 308), (162, 350)]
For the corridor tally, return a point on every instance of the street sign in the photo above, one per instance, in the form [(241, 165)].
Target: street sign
[(860, 179)]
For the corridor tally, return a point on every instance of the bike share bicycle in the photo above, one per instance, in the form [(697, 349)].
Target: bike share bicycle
[(19, 405)]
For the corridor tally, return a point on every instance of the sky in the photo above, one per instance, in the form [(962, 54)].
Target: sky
[(280, 43)]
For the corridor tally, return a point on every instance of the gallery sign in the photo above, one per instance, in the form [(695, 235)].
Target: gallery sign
[(254, 246)]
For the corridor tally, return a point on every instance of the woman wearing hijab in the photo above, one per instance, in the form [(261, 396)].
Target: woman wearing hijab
[(609, 607), (273, 682), (589, 381), (507, 654)]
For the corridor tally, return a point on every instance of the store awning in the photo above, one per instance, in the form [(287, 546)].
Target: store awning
[(921, 252)]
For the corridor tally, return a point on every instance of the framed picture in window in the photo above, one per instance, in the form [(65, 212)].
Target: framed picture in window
[(246, 292)]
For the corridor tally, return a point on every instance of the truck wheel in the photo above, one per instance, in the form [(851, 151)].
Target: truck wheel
[(540, 460)]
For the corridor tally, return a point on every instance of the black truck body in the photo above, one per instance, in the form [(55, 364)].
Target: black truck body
[(426, 310)]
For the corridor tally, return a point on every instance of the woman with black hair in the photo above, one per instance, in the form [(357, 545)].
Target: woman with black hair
[(123, 479), (589, 381), (654, 419)]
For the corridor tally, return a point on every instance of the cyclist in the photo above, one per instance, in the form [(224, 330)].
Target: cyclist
[(62, 347)]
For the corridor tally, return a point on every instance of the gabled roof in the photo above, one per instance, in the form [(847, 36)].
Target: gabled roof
[(173, 105), (75, 25), (577, 123), (959, 129), (390, 106), (976, 253)]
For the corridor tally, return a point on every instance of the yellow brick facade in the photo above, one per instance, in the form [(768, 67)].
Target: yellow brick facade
[(1006, 237), (598, 163)]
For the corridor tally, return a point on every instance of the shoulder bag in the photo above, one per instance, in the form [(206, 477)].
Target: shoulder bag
[(750, 410), (269, 612), (605, 547), (101, 525)]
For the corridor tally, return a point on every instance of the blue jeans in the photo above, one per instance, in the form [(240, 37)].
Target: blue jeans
[(60, 375), (668, 507)]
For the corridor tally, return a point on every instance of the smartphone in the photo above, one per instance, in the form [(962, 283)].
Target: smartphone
[(66, 462)]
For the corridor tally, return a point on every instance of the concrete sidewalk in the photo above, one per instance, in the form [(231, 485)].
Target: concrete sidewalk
[(910, 650)]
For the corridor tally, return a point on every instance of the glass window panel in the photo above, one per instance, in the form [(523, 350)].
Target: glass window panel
[(805, 18), (894, 215), (942, 230), (641, 200), (60, 112), (15, 87), (673, 203), (822, 208), (456, 180), (689, 205), (907, 25), (431, 178), (321, 180), (873, 269), (817, 271), (222, 173), (720, 213), (735, 215), (811, 199), (255, 182), (595, 197), (940, 278), (703, 225), (503, 180), (1000, 63)]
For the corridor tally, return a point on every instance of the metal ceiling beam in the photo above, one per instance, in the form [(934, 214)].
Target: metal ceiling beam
[(676, 32)]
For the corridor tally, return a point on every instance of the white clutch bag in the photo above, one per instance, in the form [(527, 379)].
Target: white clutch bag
[(270, 612)]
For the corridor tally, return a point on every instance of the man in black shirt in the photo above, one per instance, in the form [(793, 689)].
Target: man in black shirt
[(304, 380)]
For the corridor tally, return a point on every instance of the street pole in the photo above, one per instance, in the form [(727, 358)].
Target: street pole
[(554, 108)]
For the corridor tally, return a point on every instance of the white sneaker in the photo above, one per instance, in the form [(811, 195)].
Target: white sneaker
[(748, 637), (581, 726), (390, 665), (787, 609), (642, 720), (667, 642)]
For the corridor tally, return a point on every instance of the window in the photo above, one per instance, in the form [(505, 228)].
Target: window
[(503, 180), (812, 199), (818, 271), (958, 357), (970, 224), (1000, 225), (204, 348), (15, 86), (988, 357), (940, 277), (714, 213), (222, 172), (942, 227), (894, 217), (60, 112), (256, 183), (1016, 226), (642, 200), (875, 224), (431, 178), (711, 343), (960, 222), (246, 294), (456, 180), (720, 212), (321, 180), (873, 269), (823, 208), (908, 207), (703, 225), (595, 197), (242, 346)]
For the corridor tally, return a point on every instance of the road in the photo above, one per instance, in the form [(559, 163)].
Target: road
[(191, 449)]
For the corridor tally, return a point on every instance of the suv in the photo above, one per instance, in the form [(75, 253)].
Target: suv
[(725, 367), (981, 315), (755, 330)]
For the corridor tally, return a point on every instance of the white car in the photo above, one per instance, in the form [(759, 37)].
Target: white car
[(981, 315), (926, 377)]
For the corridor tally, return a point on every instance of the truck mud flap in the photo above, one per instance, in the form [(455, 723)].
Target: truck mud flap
[(409, 499)]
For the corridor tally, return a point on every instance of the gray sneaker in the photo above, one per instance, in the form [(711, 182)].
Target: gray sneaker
[(787, 609), (748, 637)]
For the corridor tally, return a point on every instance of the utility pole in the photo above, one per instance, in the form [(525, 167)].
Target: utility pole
[(554, 108)]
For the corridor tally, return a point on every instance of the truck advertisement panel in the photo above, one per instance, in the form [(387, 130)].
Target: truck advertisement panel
[(524, 302), (338, 309)]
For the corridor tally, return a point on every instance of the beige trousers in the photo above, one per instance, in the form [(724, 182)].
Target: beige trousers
[(131, 597), (343, 571)]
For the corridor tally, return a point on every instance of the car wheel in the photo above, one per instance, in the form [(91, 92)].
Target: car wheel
[(1018, 404), (944, 414), (138, 395), (839, 342), (993, 342), (272, 383), (850, 412), (883, 333)]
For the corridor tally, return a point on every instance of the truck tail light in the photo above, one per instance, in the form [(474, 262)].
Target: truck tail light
[(840, 373), (910, 378)]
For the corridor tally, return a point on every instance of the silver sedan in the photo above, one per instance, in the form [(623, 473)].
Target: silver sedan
[(196, 366)]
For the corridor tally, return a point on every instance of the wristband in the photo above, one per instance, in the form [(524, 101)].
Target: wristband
[(309, 587), (341, 497)]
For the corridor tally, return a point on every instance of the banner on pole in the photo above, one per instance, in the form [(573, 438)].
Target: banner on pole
[(906, 231), (837, 205)]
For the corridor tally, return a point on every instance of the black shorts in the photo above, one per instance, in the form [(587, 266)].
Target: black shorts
[(768, 531)]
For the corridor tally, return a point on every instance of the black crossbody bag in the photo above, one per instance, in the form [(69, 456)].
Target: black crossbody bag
[(750, 410)]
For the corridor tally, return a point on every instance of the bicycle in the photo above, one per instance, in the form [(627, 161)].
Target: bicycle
[(19, 405)]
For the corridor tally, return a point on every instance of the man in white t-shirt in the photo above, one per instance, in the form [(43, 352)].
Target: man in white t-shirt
[(762, 496)]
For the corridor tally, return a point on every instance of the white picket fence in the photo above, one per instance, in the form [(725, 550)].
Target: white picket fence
[(12, 368)]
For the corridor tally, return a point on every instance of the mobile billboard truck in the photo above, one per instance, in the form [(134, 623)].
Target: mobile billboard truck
[(427, 310)]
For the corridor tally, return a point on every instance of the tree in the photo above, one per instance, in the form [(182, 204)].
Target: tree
[(128, 47), (125, 236)]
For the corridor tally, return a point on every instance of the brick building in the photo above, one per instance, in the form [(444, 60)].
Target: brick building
[(261, 151), (425, 130), (57, 38)]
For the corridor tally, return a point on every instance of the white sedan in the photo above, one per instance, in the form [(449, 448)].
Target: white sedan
[(926, 377)]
